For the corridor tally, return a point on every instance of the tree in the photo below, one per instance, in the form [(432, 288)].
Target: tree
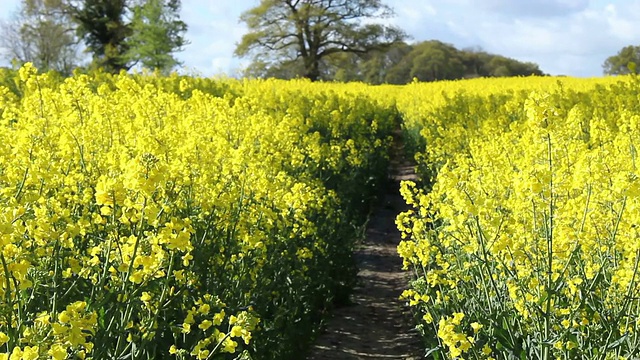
[(435, 60), (304, 32), (624, 62), (123, 33), (157, 32), (103, 27), (376, 68), (40, 32), (372, 67)]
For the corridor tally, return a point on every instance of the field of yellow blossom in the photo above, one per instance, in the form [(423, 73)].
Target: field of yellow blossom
[(524, 237), (170, 217), (149, 217)]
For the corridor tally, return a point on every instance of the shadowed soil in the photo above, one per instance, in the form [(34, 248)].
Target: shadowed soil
[(376, 325)]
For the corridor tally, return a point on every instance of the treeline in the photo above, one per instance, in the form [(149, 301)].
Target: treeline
[(401, 63), (285, 39)]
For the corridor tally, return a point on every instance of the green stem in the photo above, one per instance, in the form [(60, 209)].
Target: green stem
[(547, 313), (485, 258), (12, 332)]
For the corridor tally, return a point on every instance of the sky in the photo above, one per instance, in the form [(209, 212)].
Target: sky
[(564, 37)]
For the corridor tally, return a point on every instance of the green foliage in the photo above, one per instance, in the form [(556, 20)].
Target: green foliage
[(157, 32), (102, 25), (123, 33), (624, 62), (426, 61)]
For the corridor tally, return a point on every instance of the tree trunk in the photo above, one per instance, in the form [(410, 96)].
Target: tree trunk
[(312, 69)]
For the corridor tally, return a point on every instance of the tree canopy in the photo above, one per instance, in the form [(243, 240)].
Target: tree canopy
[(624, 62), (103, 27), (295, 36), (434, 60), (157, 32)]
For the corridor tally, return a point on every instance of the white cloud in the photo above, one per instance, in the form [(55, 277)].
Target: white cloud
[(214, 30), (412, 12), (534, 8)]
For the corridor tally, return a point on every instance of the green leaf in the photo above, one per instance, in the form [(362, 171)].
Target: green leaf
[(617, 343)]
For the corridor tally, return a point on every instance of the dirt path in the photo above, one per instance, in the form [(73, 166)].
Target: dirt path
[(377, 325)]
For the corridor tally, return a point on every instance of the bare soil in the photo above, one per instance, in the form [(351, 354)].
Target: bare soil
[(377, 325)]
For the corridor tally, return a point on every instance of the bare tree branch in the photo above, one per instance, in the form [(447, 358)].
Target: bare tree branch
[(41, 33)]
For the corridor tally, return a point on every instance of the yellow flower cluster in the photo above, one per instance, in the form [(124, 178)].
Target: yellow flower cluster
[(529, 222), (158, 217)]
